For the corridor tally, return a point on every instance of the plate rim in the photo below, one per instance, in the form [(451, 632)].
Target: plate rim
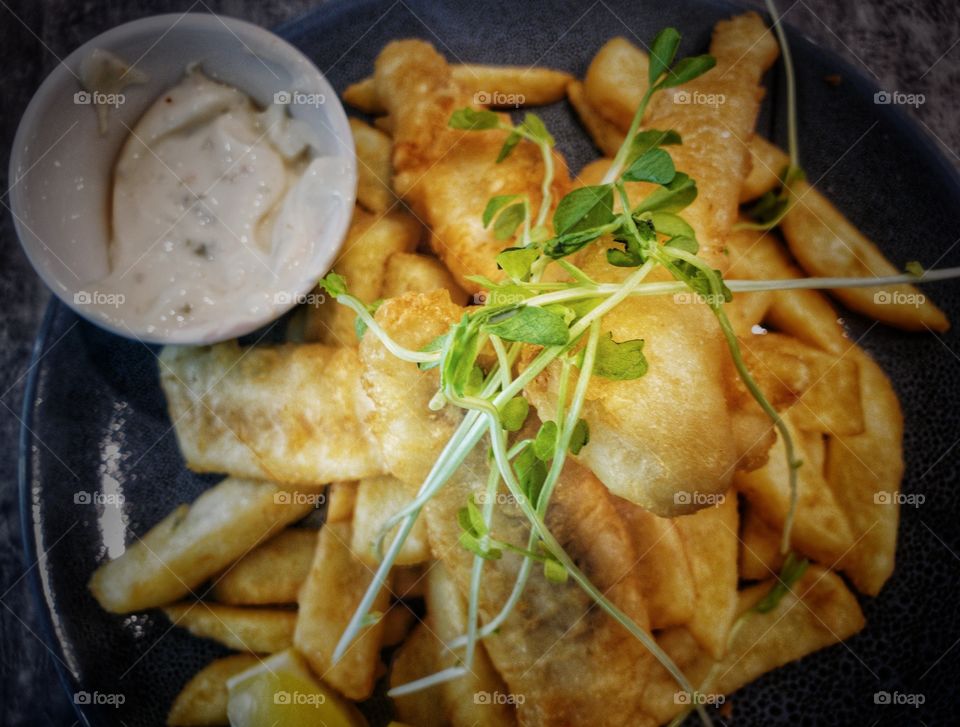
[(899, 119)]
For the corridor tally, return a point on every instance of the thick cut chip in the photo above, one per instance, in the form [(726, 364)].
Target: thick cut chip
[(341, 498), (370, 243), (760, 556), (194, 543), (411, 435), (616, 81), (818, 611), (821, 528), (291, 414), (203, 701), (448, 175), (864, 473), (378, 499), (271, 573), (374, 170), (665, 576), (605, 134), (410, 272), (709, 540), (257, 630), (330, 595)]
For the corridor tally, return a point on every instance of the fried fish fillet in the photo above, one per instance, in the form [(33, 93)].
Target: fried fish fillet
[(291, 414), (448, 175)]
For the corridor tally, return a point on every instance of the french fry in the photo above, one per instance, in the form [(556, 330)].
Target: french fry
[(497, 86), (374, 169), (255, 630), (341, 497), (192, 544), (864, 472), (767, 165), (378, 499), (332, 591), (447, 619), (291, 414), (417, 657), (371, 241), (409, 272), (818, 611), (203, 701), (820, 390), (709, 539), (604, 133), (271, 573), (821, 529), (760, 556), (664, 573), (616, 81)]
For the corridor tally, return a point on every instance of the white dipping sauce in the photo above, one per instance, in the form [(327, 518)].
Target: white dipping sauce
[(213, 200)]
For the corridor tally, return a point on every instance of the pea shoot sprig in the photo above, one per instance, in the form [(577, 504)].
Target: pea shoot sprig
[(565, 320)]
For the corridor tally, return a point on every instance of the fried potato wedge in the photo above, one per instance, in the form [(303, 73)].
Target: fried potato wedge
[(495, 86), (203, 701), (821, 528), (255, 630), (616, 81), (330, 595), (760, 556), (374, 170), (193, 543), (605, 134), (291, 414), (341, 498), (714, 133), (378, 499), (411, 436), (665, 577), (864, 473), (370, 243), (820, 390), (448, 175), (767, 166), (271, 573), (553, 618), (817, 612), (409, 272), (709, 539)]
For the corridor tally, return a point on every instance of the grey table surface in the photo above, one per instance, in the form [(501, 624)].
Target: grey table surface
[(906, 45)]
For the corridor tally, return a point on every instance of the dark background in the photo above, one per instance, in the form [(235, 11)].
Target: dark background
[(903, 45)]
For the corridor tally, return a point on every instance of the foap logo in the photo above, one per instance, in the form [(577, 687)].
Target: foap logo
[(498, 98), (899, 699), (83, 497), (299, 98), (898, 98), (97, 297), (99, 699), (483, 298), (691, 298), (899, 498), (898, 297), (498, 698), (299, 498), (699, 698), (97, 98), (698, 98), (287, 298), (500, 498), (298, 698), (702, 499)]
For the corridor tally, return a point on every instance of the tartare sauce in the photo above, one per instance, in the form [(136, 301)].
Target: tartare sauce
[(213, 200)]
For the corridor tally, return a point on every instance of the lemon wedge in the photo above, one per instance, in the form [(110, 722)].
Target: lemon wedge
[(282, 692)]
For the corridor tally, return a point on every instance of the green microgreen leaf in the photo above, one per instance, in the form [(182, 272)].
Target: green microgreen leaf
[(531, 473), (649, 139), (687, 69), (671, 225), (360, 325), (334, 283), (580, 436), (914, 268), (554, 571), (662, 52), (654, 165), (619, 361), (682, 242), (472, 120), (436, 344), (514, 413), (672, 197), (516, 261), (534, 126), (529, 325), (513, 138), (495, 204), (545, 444), (584, 208), (508, 221)]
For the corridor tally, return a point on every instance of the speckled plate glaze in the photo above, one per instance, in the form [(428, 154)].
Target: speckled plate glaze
[(95, 420)]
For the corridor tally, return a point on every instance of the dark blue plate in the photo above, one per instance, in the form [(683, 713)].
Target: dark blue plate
[(95, 420)]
